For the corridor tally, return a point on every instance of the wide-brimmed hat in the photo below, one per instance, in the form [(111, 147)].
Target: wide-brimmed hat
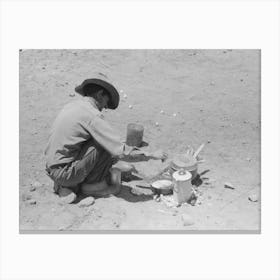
[(114, 97)]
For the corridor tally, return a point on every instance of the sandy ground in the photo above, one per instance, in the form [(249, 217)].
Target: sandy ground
[(216, 97)]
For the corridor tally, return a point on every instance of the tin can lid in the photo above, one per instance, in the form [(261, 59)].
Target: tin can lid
[(182, 175)]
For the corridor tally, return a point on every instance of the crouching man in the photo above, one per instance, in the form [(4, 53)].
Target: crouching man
[(82, 147)]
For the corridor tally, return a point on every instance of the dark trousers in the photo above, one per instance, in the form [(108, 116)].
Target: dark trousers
[(91, 166)]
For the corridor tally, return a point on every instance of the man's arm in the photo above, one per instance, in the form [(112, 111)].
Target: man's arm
[(109, 139), (136, 152)]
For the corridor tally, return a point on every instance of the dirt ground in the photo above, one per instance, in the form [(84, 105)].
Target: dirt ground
[(215, 95)]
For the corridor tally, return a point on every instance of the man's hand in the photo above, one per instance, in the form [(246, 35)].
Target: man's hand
[(159, 154), (123, 166)]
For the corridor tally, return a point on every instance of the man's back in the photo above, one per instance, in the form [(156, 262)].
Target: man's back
[(69, 132)]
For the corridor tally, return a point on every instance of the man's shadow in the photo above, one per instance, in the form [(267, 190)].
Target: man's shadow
[(128, 196)]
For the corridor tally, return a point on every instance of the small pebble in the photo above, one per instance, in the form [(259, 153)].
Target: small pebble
[(72, 94), (174, 115), (86, 201), (124, 96), (162, 112), (192, 202), (141, 191), (32, 201), (187, 220), (229, 186), (253, 197), (174, 213), (157, 124), (70, 198), (36, 184), (25, 197), (32, 189), (121, 91), (130, 106), (248, 159), (212, 83)]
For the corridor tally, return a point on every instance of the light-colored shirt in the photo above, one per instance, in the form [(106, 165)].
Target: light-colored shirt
[(78, 122)]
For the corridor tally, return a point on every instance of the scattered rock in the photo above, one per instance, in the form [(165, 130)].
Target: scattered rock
[(32, 189), (124, 96), (253, 197), (229, 186), (36, 184), (70, 198), (130, 106), (117, 224), (174, 115), (175, 213), (157, 124), (72, 94), (141, 191), (212, 83), (192, 202), (32, 202), (86, 201), (187, 220), (26, 197), (162, 112), (169, 201)]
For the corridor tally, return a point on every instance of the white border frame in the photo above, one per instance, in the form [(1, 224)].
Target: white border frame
[(155, 24)]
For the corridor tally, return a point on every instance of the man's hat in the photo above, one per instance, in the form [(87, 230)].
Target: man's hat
[(110, 89)]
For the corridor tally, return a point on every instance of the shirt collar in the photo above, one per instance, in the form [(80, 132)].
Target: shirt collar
[(91, 101)]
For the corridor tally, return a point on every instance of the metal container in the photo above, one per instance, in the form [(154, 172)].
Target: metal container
[(182, 190), (186, 162), (164, 187), (134, 136)]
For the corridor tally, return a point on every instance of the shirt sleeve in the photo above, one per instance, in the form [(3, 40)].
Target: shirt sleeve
[(106, 136)]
